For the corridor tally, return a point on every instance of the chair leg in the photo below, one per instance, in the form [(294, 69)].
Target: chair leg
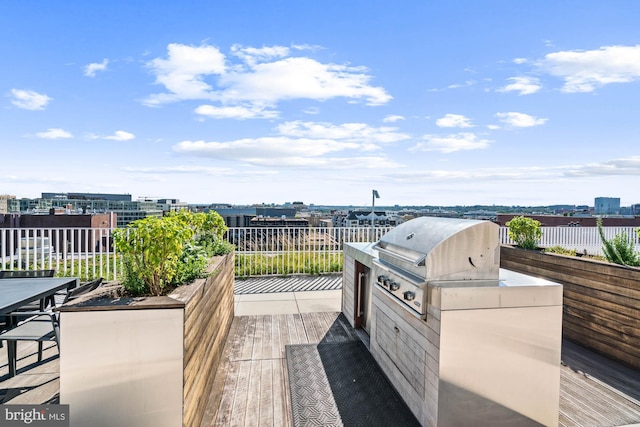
[(39, 351), (11, 357)]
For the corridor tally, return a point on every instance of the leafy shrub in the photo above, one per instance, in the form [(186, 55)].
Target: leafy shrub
[(192, 263), (162, 253), (618, 250), (525, 231), (214, 245)]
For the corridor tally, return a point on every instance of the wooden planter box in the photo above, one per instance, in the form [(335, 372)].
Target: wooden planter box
[(601, 300), (146, 361)]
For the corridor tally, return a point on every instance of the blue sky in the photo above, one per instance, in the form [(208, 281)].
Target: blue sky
[(430, 103)]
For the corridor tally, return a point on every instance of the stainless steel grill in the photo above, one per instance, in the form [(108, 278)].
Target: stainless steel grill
[(429, 249)]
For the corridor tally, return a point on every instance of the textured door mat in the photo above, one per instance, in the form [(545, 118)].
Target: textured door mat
[(340, 384)]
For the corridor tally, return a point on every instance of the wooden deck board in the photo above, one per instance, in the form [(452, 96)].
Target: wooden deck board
[(266, 393)]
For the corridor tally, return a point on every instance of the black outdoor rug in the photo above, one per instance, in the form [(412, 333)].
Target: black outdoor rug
[(340, 384)]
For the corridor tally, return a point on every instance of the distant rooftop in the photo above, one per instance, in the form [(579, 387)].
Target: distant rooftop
[(88, 196)]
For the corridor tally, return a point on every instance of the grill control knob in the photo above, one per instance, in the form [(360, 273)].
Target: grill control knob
[(394, 286), (409, 296), (381, 279)]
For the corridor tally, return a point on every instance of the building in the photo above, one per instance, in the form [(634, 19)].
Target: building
[(363, 218), (243, 216), (481, 214), (261, 221), (607, 206), (166, 205), (88, 196), (5, 203), (573, 221), (121, 205), (65, 232), (234, 216)]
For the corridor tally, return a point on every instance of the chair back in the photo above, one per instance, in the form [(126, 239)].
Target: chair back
[(24, 274), (82, 289)]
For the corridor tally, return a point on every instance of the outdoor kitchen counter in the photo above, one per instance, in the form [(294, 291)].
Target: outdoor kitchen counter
[(485, 347), (510, 291)]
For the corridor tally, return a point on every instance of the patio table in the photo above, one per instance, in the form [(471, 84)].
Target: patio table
[(15, 293)]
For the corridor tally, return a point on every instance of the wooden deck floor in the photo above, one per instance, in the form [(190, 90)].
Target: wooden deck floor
[(251, 386), (35, 383)]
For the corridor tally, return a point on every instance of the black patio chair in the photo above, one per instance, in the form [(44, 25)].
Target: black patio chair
[(30, 326), (84, 288)]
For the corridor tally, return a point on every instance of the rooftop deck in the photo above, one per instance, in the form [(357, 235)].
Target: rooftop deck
[(251, 387)]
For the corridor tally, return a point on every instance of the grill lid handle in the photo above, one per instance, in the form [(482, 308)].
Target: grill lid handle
[(416, 262)]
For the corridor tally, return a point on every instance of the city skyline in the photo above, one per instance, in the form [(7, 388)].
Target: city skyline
[(463, 103)]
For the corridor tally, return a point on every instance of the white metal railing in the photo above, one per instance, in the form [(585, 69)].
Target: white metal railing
[(585, 240), (294, 250), (79, 252), (89, 252)]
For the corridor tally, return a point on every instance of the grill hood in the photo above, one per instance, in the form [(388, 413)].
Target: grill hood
[(433, 248)]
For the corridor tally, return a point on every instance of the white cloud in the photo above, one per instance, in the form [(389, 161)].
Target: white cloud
[(454, 121), (523, 85), (616, 167), (269, 151), (264, 77), (54, 133), (451, 143), (91, 69), (252, 55), (520, 120), (584, 71), (29, 99), (392, 118), (284, 152), (183, 72), (236, 112), (303, 144), (356, 132), (120, 135), (300, 77), (192, 169), (266, 147), (461, 85), (520, 60)]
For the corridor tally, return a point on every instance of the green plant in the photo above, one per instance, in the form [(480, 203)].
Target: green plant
[(161, 253), (151, 248), (214, 245), (524, 231), (192, 263), (561, 250), (618, 250)]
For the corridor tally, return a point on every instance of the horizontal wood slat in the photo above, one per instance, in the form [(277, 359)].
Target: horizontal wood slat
[(601, 300), (208, 318)]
